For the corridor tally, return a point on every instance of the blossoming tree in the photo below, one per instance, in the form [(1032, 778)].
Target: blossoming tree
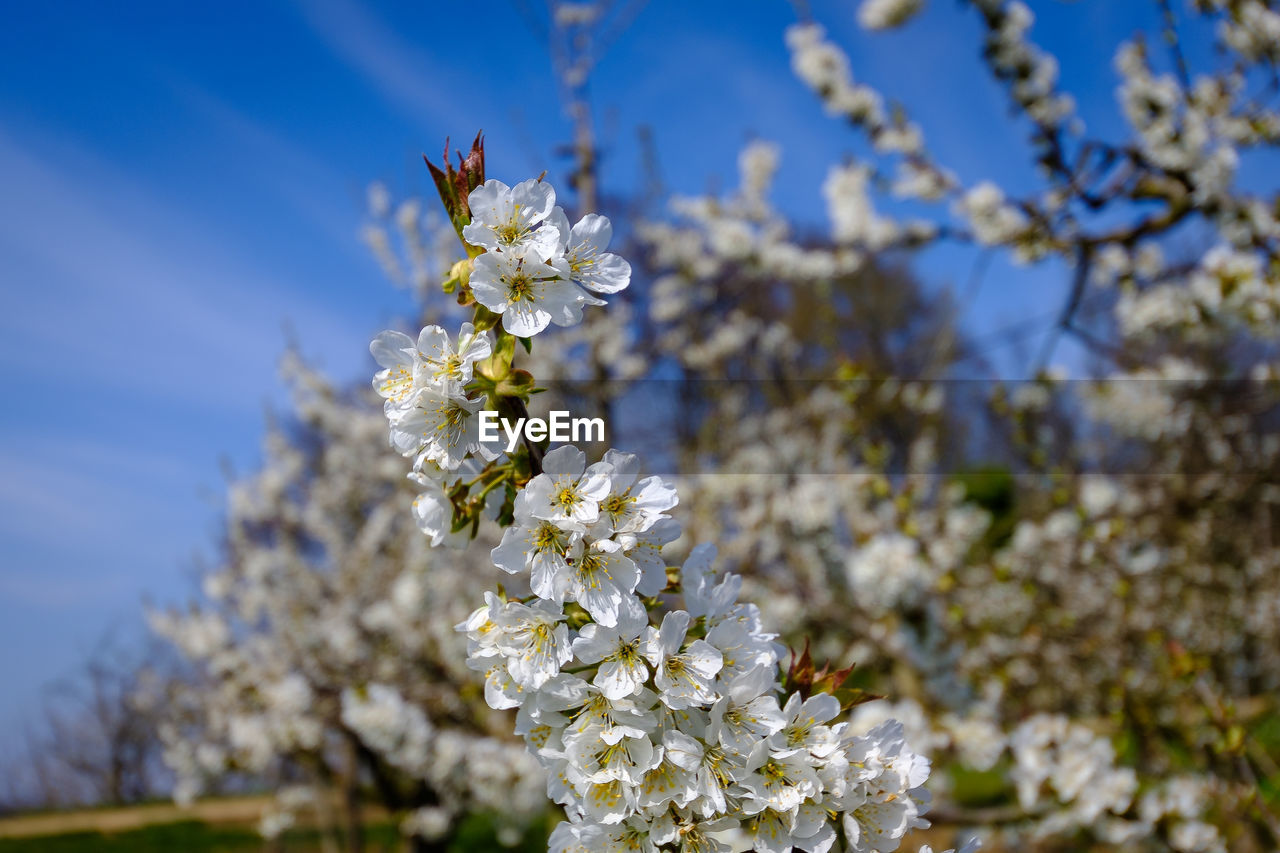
[(1076, 604), (1091, 654)]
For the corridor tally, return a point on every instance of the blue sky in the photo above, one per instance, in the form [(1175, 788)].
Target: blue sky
[(182, 183)]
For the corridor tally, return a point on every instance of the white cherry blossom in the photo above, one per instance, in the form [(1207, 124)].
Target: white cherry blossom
[(513, 220), (589, 264), (529, 294)]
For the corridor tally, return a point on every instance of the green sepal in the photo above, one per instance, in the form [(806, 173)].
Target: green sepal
[(517, 383), (521, 468), (575, 616), (484, 319), (507, 515), (461, 520), (498, 365), (506, 346), (459, 278), (482, 383)]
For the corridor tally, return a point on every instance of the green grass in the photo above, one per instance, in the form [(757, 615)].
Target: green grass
[(976, 788), (193, 836), (476, 834), (190, 836)]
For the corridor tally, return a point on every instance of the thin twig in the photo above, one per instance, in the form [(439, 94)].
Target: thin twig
[(1084, 261), (1175, 44)]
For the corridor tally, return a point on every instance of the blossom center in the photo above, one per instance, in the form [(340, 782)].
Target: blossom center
[(547, 537), (616, 505), (567, 498), (590, 568), (520, 287), (398, 384)]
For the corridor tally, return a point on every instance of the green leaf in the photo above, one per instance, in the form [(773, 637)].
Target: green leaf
[(454, 185), (852, 697)]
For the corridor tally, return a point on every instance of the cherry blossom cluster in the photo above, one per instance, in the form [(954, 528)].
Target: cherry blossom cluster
[(422, 383), (538, 270), (659, 726), (672, 733), (1099, 596), (669, 733)]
